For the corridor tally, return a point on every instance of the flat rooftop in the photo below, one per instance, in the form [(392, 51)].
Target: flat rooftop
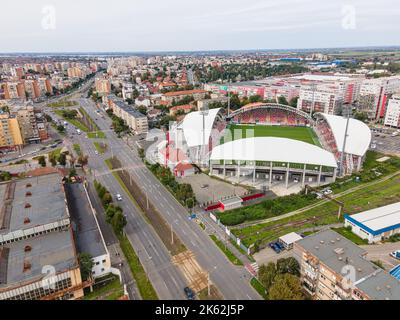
[(336, 252), (86, 231), (32, 202), (380, 286), (55, 249), (378, 220)]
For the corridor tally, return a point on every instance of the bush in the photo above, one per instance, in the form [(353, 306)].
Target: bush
[(266, 209)]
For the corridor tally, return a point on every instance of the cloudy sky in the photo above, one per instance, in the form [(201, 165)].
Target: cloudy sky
[(158, 25)]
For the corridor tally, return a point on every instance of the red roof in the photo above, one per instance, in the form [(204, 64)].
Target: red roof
[(184, 93), (183, 166), (182, 107)]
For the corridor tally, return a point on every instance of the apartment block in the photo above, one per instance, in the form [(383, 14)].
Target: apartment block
[(135, 120), (334, 268), (10, 134), (374, 94), (392, 117)]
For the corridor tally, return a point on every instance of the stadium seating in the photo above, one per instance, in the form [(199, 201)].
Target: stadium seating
[(270, 117)]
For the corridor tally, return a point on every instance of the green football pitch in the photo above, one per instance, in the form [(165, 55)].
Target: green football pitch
[(305, 134)]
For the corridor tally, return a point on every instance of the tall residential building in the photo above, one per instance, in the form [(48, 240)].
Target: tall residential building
[(10, 134), (27, 123), (321, 98), (103, 86), (334, 268), (135, 120), (374, 94), (14, 90), (392, 117)]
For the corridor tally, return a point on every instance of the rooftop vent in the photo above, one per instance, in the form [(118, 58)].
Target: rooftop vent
[(322, 242), (339, 250), (28, 194), (28, 185), (27, 205), (27, 220), (337, 239), (27, 266), (28, 248), (340, 258), (316, 247)]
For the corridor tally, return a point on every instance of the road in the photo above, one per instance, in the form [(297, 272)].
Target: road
[(166, 278), (233, 282)]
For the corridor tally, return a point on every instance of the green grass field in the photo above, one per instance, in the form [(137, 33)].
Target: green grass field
[(304, 134), (377, 195)]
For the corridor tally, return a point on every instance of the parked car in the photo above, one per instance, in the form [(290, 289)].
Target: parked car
[(119, 197), (395, 254), (189, 293), (275, 246)]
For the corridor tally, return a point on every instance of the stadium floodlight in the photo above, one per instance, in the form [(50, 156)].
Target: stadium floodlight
[(348, 110)]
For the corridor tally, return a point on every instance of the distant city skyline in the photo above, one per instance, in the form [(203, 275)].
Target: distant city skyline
[(173, 25)]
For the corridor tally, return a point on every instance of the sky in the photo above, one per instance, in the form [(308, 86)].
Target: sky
[(189, 25)]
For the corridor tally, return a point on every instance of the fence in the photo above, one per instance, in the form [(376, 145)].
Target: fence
[(229, 233)]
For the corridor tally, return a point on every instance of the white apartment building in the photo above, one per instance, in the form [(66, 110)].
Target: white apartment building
[(392, 117), (374, 93), (321, 98)]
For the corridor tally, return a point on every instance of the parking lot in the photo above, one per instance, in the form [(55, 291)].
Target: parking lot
[(209, 189), (385, 142)]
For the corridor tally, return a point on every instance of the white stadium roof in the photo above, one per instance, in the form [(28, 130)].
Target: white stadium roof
[(192, 126), (273, 149), (358, 134)]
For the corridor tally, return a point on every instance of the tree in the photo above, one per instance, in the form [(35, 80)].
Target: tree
[(267, 274), (85, 264), (106, 199), (141, 153), (5, 176), (53, 161), (288, 265), (60, 128), (62, 159), (42, 161), (293, 102), (282, 100), (72, 172), (118, 222), (286, 287), (83, 160)]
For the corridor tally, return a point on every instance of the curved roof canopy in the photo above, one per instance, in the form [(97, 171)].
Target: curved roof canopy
[(192, 126), (273, 149), (358, 134)]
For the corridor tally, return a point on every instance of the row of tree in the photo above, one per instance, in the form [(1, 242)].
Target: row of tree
[(114, 214), (183, 191)]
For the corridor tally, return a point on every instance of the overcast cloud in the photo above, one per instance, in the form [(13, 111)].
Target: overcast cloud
[(158, 25)]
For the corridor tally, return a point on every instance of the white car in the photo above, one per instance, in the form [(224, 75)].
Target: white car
[(96, 152), (119, 197)]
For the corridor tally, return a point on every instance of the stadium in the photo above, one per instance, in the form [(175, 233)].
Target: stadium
[(267, 144)]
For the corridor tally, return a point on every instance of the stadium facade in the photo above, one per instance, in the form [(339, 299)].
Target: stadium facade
[(279, 156)]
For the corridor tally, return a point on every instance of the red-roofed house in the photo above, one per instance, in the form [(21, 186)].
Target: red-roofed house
[(186, 108), (183, 170)]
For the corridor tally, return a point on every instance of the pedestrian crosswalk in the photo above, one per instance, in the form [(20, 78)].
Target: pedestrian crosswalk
[(252, 268)]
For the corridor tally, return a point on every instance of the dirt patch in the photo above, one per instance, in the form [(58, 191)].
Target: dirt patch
[(162, 228), (195, 276)]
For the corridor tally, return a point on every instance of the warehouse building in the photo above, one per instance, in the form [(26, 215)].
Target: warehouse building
[(376, 224)]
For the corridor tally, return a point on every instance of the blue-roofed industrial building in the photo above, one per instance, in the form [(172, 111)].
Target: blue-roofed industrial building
[(377, 224)]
